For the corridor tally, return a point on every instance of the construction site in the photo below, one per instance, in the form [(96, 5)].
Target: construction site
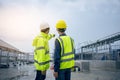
[(59, 39), (99, 60)]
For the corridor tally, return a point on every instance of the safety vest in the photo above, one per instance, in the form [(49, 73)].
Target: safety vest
[(41, 52), (67, 52)]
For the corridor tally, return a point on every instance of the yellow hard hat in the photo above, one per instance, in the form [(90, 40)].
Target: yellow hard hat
[(61, 24)]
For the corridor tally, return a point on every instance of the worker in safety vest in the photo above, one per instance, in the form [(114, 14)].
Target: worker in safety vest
[(64, 53), (41, 51)]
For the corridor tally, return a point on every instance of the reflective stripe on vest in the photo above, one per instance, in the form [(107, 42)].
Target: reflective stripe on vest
[(65, 60), (39, 48), (41, 63), (43, 47)]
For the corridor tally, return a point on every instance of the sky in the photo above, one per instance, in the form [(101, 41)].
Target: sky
[(87, 20)]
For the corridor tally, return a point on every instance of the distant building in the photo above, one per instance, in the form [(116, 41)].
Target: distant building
[(11, 56)]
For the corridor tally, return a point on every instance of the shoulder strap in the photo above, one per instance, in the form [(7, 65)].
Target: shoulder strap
[(62, 46)]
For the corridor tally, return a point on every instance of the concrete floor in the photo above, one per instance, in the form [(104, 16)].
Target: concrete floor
[(27, 72)]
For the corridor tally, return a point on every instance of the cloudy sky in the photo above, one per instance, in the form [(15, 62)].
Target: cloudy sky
[(87, 20)]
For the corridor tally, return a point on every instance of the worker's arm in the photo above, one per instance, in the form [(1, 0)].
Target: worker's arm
[(50, 36), (57, 53)]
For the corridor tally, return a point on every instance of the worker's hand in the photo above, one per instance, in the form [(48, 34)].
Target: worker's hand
[(52, 67), (43, 72), (55, 74)]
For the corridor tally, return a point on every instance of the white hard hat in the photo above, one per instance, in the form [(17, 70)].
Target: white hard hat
[(44, 25)]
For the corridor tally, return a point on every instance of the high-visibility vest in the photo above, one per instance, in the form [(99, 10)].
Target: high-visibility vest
[(67, 52), (41, 52)]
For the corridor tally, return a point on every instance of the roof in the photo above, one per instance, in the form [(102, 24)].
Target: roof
[(4, 44), (109, 39)]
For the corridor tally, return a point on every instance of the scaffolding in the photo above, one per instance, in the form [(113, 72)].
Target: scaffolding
[(102, 49)]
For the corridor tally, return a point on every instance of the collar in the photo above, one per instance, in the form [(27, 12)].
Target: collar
[(43, 34), (62, 34)]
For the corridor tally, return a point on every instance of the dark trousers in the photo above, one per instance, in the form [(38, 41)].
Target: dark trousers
[(64, 74), (39, 76)]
